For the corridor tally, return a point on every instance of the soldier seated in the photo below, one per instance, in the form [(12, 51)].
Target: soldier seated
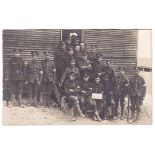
[(72, 90), (98, 99), (85, 94)]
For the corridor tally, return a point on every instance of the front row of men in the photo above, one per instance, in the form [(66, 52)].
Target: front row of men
[(85, 95)]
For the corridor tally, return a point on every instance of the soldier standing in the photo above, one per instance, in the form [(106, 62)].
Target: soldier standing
[(120, 91), (16, 75), (108, 91), (34, 78), (48, 79), (72, 90), (82, 48), (137, 91)]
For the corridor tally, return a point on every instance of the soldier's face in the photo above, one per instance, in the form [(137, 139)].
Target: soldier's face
[(72, 77), (84, 57), (97, 80), (122, 72), (46, 56), (35, 57), (137, 72), (71, 52), (77, 48), (17, 54), (100, 59), (86, 78), (82, 46), (108, 63)]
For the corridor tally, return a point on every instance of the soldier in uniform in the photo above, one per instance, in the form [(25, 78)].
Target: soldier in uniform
[(68, 70), (98, 67), (109, 71), (34, 78), (84, 65), (16, 76), (108, 91), (48, 79), (120, 91), (137, 91), (72, 90), (82, 48), (85, 93), (60, 57), (99, 104)]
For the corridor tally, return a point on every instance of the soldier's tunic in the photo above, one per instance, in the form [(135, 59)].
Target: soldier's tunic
[(109, 71), (120, 91), (16, 74), (98, 69), (137, 92), (85, 67), (67, 71), (49, 76), (34, 76), (60, 62)]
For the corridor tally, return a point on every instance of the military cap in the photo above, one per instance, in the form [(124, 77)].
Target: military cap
[(17, 50), (98, 55), (72, 61), (71, 74), (136, 68), (108, 61), (121, 68), (46, 52), (84, 54), (97, 78), (34, 53), (86, 75)]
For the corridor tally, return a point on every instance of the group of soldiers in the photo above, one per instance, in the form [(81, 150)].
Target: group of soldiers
[(88, 88)]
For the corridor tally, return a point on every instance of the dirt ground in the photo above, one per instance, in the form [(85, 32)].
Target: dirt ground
[(49, 116)]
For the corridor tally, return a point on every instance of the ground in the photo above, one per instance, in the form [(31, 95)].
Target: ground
[(47, 116)]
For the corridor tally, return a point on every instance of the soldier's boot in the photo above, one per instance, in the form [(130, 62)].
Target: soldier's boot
[(35, 102), (105, 113), (19, 99), (132, 117), (122, 112), (137, 116), (79, 110), (13, 100), (113, 113), (97, 116), (49, 101), (44, 101), (30, 100), (74, 114)]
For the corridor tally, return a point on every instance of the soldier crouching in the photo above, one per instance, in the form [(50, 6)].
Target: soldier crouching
[(72, 90), (137, 91), (34, 78)]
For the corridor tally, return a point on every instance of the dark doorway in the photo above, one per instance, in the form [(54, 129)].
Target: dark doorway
[(66, 34)]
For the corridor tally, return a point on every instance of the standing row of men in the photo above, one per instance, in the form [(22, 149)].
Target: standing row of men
[(84, 85)]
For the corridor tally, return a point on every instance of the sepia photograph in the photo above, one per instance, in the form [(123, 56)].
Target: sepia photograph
[(77, 76)]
